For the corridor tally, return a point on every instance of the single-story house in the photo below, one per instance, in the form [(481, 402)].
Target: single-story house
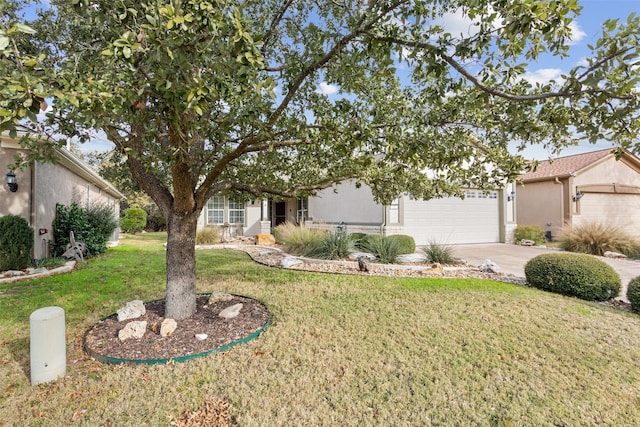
[(481, 217), (39, 188), (589, 187)]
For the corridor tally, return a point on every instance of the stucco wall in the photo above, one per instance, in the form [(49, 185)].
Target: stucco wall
[(14, 203), (608, 172), (541, 203)]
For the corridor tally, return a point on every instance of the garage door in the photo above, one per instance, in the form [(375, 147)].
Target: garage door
[(476, 219), (611, 208)]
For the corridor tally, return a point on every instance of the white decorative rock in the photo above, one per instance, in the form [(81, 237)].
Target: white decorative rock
[(167, 327), (290, 261), (133, 330), (489, 266), (132, 310), (219, 296), (615, 255), (525, 242), (202, 337), (231, 311)]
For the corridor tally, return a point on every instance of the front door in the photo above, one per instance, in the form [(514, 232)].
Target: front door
[(281, 213)]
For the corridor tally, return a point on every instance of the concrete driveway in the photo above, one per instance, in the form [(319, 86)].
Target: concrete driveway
[(512, 259)]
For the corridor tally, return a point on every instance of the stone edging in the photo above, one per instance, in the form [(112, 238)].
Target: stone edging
[(66, 268)]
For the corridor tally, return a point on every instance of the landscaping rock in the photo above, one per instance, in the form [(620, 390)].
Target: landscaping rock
[(525, 242), (363, 264), (489, 266), (231, 311), (615, 255), (355, 255), (436, 268), (167, 327), (132, 310), (135, 329), (219, 296), (411, 258), (201, 337), (264, 239), (290, 261)]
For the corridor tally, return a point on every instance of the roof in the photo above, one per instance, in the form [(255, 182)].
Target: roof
[(563, 167)]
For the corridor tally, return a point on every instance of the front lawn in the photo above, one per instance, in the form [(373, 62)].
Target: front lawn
[(341, 350)]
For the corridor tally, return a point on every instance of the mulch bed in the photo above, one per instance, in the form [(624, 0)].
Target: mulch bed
[(103, 337)]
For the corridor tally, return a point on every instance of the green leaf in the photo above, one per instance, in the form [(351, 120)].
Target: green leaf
[(21, 28)]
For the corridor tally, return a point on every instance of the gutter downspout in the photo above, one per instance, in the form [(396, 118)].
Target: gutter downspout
[(562, 202)]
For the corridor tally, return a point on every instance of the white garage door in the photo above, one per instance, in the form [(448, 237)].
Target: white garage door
[(476, 219), (611, 208)]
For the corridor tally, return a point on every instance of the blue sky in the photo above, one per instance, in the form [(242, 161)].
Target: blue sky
[(587, 30)]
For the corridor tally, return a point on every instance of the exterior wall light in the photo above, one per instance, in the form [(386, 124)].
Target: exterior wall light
[(578, 196), (11, 182), (511, 196)]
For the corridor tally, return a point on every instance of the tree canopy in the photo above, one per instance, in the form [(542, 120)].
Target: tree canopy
[(206, 97)]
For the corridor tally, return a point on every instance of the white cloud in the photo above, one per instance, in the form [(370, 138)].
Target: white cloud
[(543, 75), (576, 33), (327, 89)]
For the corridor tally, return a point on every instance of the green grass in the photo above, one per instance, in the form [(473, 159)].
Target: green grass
[(342, 350)]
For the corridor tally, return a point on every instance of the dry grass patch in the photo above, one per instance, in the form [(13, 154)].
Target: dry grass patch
[(352, 350)]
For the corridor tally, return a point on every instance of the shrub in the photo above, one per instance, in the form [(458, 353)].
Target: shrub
[(358, 239), (208, 236), (597, 238), (92, 225), (155, 222), (384, 249), (529, 232), (68, 218), (406, 244), (633, 293), (133, 221), (16, 242), (334, 245), (442, 254), (578, 275), (102, 223), (298, 240)]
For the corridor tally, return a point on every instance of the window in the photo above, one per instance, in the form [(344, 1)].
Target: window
[(470, 194), (221, 210), (215, 210), (302, 213), (236, 212)]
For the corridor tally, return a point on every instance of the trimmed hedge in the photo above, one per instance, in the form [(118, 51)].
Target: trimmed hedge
[(16, 242), (577, 275), (633, 293), (406, 244)]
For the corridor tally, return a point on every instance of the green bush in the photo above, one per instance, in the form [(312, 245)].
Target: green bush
[(633, 293), (406, 244), (442, 254), (384, 249), (208, 236), (155, 222), (102, 223), (334, 245), (92, 225), (597, 238), (134, 220), (16, 242), (529, 232), (577, 275)]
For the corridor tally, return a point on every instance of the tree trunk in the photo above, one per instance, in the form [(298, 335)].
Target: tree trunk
[(180, 301)]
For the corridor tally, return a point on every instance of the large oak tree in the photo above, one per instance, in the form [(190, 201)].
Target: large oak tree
[(222, 96)]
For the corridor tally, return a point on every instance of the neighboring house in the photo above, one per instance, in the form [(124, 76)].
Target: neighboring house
[(590, 187), (43, 185), (482, 217)]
